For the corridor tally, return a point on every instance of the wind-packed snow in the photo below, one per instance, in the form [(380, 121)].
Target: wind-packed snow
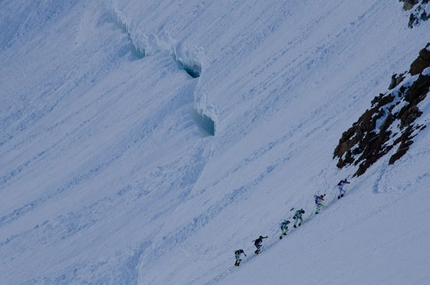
[(143, 142)]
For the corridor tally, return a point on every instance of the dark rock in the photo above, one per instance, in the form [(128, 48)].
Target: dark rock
[(395, 80), (418, 10), (422, 62), (377, 132), (409, 4)]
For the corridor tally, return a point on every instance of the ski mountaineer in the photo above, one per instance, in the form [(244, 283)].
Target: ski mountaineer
[(284, 228), (298, 217), (318, 202), (341, 184), (258, 243), (237, 254)]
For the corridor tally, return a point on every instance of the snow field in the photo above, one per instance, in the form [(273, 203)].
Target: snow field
[(106, 178)]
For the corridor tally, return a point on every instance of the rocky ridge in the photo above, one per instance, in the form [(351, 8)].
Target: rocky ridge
[(390, 121)]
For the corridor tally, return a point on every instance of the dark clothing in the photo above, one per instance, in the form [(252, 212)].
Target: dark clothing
[(319, 199), (258, 242), (237, 254), (298, 214)]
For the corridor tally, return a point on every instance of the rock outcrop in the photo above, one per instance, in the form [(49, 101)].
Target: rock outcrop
[(420, 11), (390, 121)]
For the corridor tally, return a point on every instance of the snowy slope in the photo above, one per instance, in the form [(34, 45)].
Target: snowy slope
[(106, 176)]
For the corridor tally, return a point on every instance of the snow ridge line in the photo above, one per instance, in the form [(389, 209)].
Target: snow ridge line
[(188, 58)]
